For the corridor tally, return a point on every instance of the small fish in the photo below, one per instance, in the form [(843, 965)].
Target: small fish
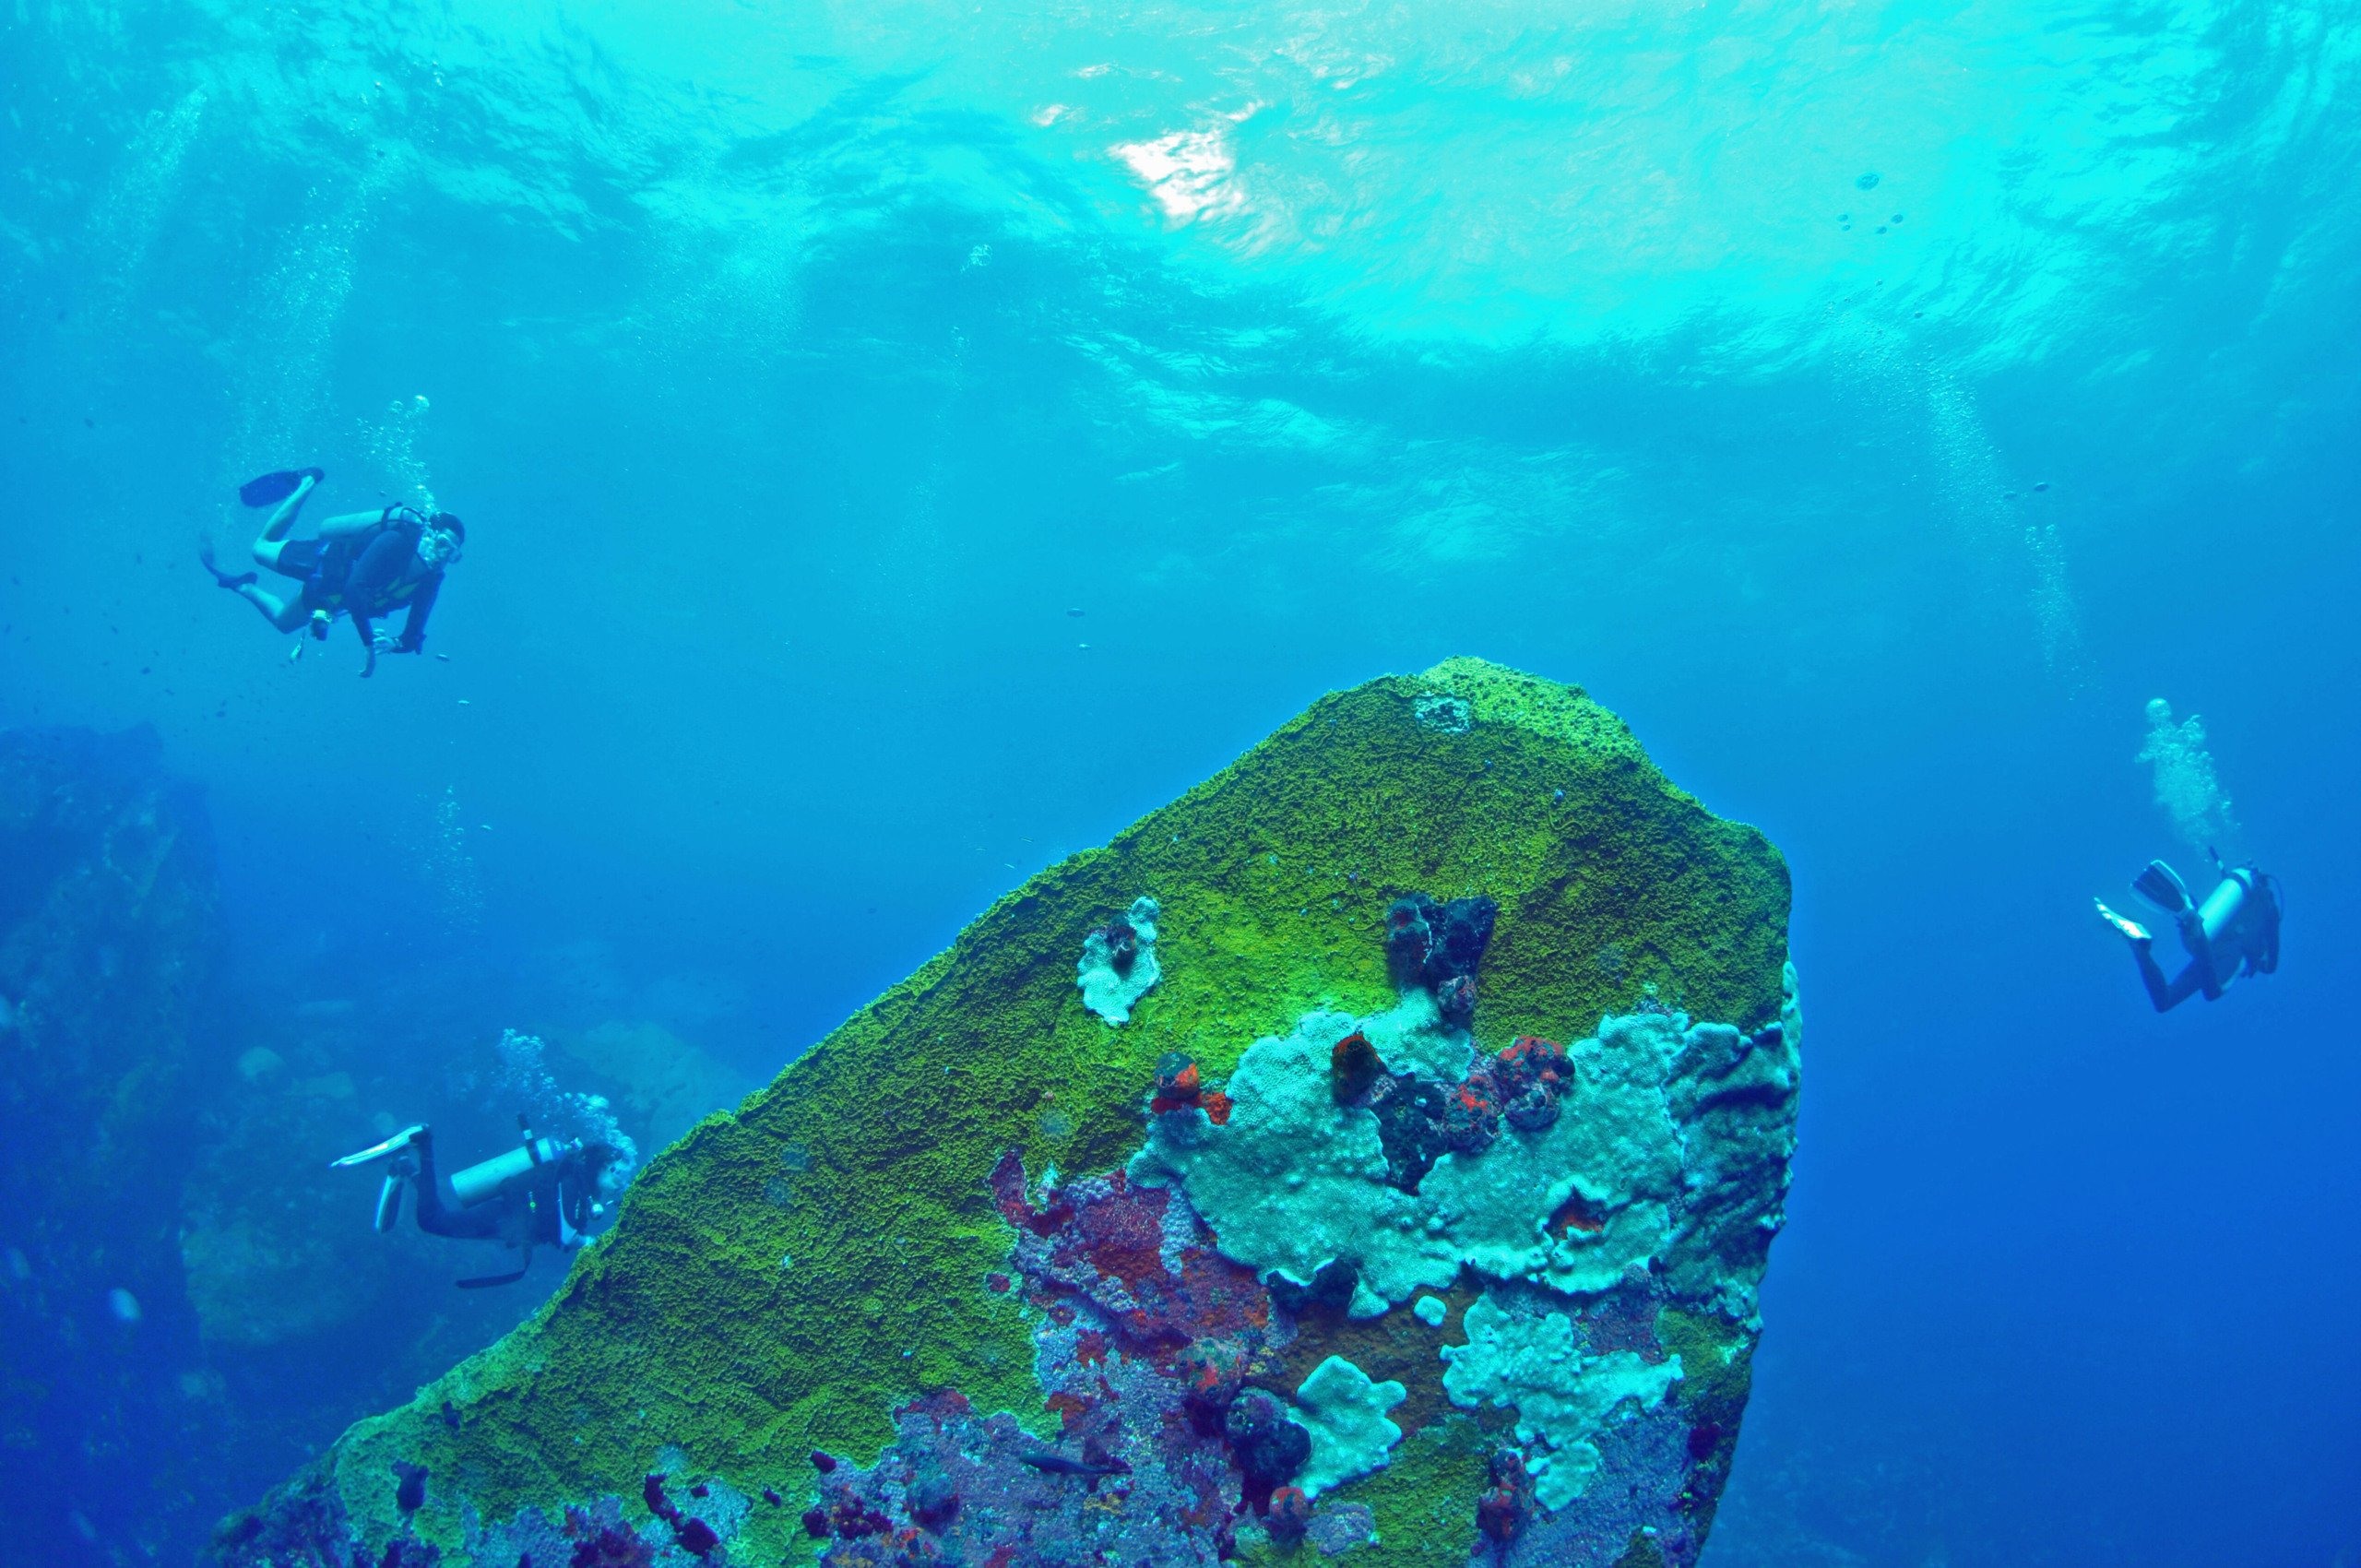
[(1059, 1464)]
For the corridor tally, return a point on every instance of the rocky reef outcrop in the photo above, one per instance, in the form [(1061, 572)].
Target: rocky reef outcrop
[(109, 943), (1413, 1214)]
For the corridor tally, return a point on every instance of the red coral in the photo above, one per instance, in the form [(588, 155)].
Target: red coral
[(1530, 1058), (1179, 1086), (1576, 1214), (938, 1405), (1471, 1114), (1177, 1083), (1115, 1255), (1007, 1182), (1501, 1512), (1122, 1234)]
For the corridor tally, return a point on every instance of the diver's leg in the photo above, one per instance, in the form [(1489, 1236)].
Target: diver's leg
[(438, 1219), (2166, 995), (276, 527), (2205, 976), (284, 613)]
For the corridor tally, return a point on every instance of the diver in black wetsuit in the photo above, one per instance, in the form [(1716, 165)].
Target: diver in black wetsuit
[(365, 565), (2234, 932), (545, 1193)]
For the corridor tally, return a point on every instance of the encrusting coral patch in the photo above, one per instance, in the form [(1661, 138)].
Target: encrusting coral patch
[(1531, 1360), (1345, 1413), (1416, 1216), (1118, 964)]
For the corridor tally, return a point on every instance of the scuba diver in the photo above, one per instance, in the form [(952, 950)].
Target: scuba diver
[(547, 1192), (2233, 931), (365, 565)]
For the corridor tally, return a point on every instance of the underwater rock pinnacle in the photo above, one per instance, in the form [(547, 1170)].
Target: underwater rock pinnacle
[(1414, 1214)]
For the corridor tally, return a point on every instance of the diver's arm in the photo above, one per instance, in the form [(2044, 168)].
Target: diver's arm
[(370, 639), (421, 605)]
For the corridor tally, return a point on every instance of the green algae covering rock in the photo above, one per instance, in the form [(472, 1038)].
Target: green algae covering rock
[(1414, 1213)]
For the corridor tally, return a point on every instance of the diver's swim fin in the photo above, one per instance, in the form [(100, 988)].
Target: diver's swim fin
[(393, 1146), (268, 490), (2162, 885), (486, 1281), (220, 577), (2132, 930)]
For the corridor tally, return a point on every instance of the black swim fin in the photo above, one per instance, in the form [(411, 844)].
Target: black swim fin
[(268, 490), (2162, 885), (220, 577), (487, 1281)]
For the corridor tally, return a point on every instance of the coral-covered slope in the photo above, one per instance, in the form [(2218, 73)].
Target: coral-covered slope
[(1415, 1211)]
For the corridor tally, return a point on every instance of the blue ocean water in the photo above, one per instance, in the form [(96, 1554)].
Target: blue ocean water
[(900, 442)]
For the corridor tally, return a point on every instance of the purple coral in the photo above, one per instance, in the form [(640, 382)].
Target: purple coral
[(612, 1547), (1290, 1515), (692, 1534), (1430, 943), (1269, 1448)]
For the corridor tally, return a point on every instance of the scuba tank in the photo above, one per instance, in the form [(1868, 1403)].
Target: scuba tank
[(483, 1182), (2223, 904), (544, 1190)]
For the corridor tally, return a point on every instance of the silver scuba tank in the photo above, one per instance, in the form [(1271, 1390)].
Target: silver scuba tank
[(482, 1182), (2223, 904)]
